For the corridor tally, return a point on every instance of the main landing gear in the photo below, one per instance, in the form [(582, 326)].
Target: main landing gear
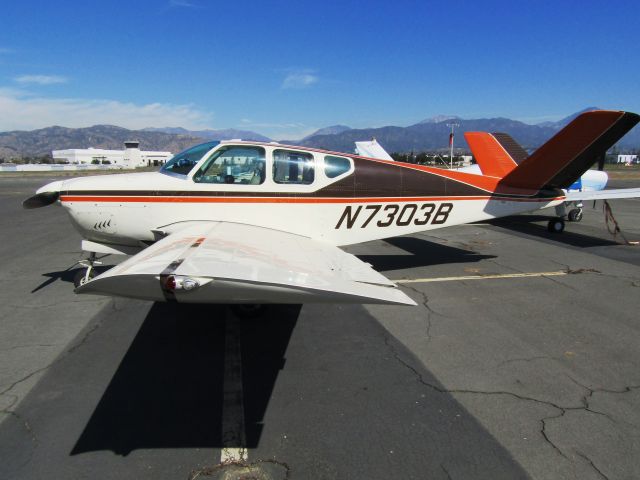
[(82, 276), (556, 225), (575, 215)]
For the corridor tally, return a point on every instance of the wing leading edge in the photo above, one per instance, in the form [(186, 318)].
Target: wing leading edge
[(235, 263)]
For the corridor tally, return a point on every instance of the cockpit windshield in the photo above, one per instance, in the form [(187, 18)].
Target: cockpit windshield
[(183, 162)]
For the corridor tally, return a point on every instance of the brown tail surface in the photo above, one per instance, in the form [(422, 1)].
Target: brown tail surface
[(567, 155)]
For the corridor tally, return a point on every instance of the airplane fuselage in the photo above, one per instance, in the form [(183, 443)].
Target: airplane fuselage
[(369, 199)]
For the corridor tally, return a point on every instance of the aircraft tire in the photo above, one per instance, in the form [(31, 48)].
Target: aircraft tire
[(80, 276), (556, 225), (575, 215)]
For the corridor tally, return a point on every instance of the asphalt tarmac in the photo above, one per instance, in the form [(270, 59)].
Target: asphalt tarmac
[(532, 371)]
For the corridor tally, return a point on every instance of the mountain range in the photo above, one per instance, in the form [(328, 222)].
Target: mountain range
[(431, 134), (226, 134), (43, 141)]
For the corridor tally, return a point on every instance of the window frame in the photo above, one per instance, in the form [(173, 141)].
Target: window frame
[(190, 173), (343, 174), (223, 147), (303, 153)]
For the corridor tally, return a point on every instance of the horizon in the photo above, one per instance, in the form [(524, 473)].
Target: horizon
[(343, 63), (188, 131)]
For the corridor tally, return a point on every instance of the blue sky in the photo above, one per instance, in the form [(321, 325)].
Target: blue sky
[(285, 69)]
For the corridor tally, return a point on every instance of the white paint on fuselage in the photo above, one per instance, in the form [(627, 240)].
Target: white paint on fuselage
[(127, 222), (135, 221)]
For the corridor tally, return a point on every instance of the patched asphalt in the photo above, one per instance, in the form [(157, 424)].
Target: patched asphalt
[(526, 377)]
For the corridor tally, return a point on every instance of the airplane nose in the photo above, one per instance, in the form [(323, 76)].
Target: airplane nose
[(51, 187), (44, 196)]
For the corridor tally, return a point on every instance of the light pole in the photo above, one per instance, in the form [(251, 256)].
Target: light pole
[(452, 125)]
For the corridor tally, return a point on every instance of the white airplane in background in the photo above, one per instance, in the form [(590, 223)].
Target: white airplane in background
[(255, 223)]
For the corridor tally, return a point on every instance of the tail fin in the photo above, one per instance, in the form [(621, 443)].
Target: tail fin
[(567, 155), (496, 153)]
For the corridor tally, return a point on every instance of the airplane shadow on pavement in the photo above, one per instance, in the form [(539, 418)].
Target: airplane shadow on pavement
[(168, 390), (150, 387), (526, 224), (423, 254)]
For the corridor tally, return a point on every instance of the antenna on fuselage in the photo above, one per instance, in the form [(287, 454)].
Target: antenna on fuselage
[(451, 135)]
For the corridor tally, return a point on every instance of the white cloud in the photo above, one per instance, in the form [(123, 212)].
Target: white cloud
[(299, 79), (279, 131), (40, 79), (23, 112)]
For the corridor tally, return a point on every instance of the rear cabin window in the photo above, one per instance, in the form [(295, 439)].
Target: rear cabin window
[(292, 167), (234, 165), (336, 166)]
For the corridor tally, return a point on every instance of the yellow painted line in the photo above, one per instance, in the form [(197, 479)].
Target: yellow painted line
[(482, 277)]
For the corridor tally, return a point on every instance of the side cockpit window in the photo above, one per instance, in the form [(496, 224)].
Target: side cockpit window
[(293, 167), (244, 165), (336, 166)]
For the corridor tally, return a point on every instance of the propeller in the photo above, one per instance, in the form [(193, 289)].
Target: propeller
[(41, 200)]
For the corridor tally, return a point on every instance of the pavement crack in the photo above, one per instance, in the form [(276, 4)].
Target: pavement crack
[(29, 345), (70, 350), (508, 267), (543, 432), (430, 311), (560, 409), (590, 391), (558, 282), (84, 339), (25, 378), (593, 465), (446, 472), (439, 389), (582, 270), (23, 422)]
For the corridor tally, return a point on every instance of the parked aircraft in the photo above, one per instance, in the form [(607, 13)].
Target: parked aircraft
[(254, 223)]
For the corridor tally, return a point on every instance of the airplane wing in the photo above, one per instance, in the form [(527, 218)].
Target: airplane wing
[(220, 262), (603, 194)]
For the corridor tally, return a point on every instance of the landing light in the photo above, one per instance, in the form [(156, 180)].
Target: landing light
[(176, 282)]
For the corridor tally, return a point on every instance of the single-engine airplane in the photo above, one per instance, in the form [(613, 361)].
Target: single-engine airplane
[(256, 223)]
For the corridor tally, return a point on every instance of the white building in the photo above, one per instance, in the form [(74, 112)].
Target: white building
[(628, 159), (130, 157)]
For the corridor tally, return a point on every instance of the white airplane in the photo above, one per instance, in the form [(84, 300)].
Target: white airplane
[(256, 223)]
